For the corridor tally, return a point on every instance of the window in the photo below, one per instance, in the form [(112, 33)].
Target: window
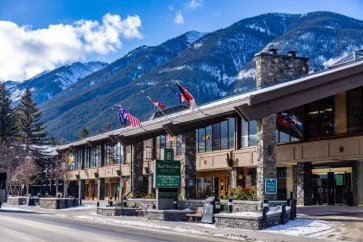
[(355, 110), (249, 133), (78, 159), (95, 159), (289, 127), (216, 136), (148, 152), (320, 118), (219, 136), (113, 153), (179, 141)]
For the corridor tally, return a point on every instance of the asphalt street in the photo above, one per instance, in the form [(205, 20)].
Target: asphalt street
[(17, 226)]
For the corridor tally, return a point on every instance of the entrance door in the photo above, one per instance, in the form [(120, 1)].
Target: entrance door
[(331, 188)]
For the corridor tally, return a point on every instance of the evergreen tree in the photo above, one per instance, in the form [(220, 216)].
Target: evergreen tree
[(7, 119), (31, 130), (84, 133)]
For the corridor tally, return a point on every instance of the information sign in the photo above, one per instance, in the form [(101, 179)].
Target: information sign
[(270, 186), (167, 173)]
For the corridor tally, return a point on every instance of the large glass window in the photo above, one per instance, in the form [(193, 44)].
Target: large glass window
[(113, 153), (219, 136), (78, 155), (320, 118), (249, 133), (355, 110), (95, 160)]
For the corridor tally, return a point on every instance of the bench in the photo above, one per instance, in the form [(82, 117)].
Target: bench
[(144, 208), (197, 215)]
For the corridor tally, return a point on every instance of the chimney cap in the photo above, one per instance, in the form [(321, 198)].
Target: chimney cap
[(292, 53), (273, 51)]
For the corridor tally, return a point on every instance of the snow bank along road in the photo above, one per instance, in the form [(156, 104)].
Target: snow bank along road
[(21, 226)]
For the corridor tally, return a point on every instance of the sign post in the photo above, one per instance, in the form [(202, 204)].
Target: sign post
[(167, 180)]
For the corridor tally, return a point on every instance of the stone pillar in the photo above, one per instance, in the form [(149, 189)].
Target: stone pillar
[(137, 178), (234, 178), (304, 183), (150, 183), (266, 167), (101, 189), (355, 185), (188, 165)]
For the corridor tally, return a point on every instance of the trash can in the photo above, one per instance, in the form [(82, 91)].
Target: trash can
[(212, 205), (31, 201)]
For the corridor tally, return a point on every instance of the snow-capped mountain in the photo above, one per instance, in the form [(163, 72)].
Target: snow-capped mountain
[(210, 66), (49, 83)]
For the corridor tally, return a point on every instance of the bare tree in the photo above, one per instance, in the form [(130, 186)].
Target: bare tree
[(27, 172), (59, 171)]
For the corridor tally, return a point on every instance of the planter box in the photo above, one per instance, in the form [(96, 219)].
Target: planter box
[(58, 203), (15, 201), (117, 211), (166, 215)]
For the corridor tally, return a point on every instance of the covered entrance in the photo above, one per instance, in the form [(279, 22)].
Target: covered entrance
[(332, 186)]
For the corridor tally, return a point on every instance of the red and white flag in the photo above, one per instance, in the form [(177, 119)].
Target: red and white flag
[(157, 104), (190, 99)]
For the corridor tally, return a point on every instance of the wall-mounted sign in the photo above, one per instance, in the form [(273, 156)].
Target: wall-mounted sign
[(270, 186), (167, 173), (339, 180), (169, 155)]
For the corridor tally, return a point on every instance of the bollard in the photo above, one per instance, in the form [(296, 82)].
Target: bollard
[(283, 214), (175, 202), (98, 204), (265, 204), (110, 202), (230, 205), (125, 201), (264, 217), (293, 209)]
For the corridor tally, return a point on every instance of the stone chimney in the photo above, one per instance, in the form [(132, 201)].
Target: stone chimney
[(273, 68)]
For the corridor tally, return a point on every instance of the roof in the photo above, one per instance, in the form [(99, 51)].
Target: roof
[(251, 105), (356, 55)]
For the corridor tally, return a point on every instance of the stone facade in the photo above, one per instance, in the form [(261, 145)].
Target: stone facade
[(303, 183), (15, 201), (167, 215), (58, 203), (138, 185), (272, 69), (139, 202), (117, 211), (188, 165), (101, 186)]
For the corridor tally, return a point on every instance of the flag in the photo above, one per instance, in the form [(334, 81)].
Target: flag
[(188, 97), (153, 101), (286, 120), (180, 95), (125, 116), (70, 159)]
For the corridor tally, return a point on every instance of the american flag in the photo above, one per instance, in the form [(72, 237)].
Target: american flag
[(124, 115)]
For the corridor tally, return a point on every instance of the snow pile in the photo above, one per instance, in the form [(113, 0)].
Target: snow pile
[(305, 227)]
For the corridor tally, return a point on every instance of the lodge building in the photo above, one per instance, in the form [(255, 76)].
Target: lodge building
[(244, 139)]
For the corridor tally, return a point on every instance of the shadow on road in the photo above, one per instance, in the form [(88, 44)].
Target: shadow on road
[(17, 211)]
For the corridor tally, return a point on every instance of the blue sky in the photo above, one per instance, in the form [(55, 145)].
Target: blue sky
[(159, 20)]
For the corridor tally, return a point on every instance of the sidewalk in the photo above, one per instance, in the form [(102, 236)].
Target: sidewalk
[(302, 229)]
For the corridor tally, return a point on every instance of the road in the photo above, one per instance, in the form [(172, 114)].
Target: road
[(18, 226)]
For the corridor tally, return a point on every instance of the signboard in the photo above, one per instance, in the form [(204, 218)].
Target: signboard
[(339, 180), (169, 155), (270, 186), (167, 173)]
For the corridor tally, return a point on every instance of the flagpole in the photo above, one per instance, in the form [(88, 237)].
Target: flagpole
[(145, 94)]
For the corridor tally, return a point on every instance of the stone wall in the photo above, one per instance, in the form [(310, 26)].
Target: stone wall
[(167, 215), (137, 165), (304, 183), (139, 202), (15, 201), (58, 203), (117, 211), (188, 165), (183, 204)]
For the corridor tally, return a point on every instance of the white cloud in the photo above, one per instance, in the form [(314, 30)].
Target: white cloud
[(193, 4), (25, 52), (179, 18)]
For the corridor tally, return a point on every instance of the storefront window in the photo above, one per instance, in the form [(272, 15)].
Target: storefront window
[(249, 133), (355, 110), (208, 139), (224, 135), (216, 136), (320, 118)]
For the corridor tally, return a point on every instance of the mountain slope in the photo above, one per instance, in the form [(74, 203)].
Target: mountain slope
[(214, 66), (49, 83)]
